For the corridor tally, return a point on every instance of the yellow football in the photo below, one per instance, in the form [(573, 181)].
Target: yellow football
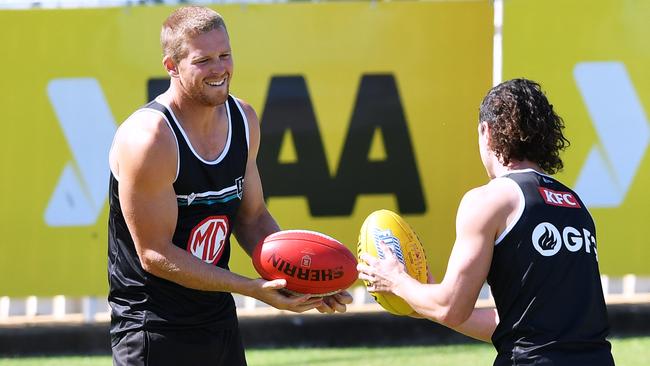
[(388, 227)]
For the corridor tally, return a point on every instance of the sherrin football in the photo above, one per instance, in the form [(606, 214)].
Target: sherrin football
[(311, 262), (388, 227)]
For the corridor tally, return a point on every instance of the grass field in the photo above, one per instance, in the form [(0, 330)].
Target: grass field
[(627, 352)]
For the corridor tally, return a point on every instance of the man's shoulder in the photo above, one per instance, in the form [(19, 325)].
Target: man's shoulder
[(499, 193), (246, 108), (146, 123), (144, 146), (145, 132), (144, 117)]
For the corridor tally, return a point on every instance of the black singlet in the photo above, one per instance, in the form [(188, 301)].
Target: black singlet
[(545, 281), (208, 194)]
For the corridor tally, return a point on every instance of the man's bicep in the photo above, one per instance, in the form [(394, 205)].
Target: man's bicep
[(471, 255), (147, 196), (254, 221), (150, 214), (253, 196)]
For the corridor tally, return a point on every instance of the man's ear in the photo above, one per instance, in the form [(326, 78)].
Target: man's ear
[(170, 66), (483, 127), (484, 131)]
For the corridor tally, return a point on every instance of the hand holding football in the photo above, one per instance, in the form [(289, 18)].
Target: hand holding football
[(387, 227)]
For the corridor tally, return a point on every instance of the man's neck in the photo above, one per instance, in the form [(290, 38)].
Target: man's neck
[(192, 114), (516, 165)]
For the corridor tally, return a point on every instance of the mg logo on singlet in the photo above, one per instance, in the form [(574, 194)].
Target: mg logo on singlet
[(208, 238), (548, 240)]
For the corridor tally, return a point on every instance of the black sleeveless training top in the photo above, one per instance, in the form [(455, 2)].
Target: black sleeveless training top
[(208, 194), (545, 281)]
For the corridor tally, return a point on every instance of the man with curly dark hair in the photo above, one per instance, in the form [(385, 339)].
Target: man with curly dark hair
[(528, 235), (523, 125)]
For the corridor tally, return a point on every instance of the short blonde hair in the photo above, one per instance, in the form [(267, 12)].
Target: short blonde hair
[(184, 23)]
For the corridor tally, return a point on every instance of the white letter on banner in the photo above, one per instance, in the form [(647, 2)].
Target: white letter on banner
[(88, 126), (622, 128)]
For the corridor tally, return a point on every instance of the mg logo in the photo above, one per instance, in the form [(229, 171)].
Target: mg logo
[(88, 127), (622, 128), (208, 238)]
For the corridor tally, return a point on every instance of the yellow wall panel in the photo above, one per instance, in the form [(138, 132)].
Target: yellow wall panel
[(437, 53), (592, 59)]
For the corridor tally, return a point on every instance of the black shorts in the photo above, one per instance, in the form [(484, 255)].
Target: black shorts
[(200, 347)]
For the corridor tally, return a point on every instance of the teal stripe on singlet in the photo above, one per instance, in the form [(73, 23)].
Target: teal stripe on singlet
[(205, 201)]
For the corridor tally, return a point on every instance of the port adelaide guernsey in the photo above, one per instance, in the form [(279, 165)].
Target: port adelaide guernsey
[(208, 194), (545, 280)]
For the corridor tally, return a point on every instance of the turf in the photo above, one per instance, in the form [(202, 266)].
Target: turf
[(627, 352)]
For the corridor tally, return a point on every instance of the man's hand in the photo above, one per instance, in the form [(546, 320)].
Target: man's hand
[(382, 275), (337, 302), (270, 293)]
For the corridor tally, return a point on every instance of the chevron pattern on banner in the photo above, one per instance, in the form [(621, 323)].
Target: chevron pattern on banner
[(88, 126), (622, 128)]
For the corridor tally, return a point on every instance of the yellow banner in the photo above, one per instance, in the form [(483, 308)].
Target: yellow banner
[(387, 94), (595, 73)]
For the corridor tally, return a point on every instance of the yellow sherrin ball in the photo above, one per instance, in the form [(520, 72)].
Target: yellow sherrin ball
[(388, 227)]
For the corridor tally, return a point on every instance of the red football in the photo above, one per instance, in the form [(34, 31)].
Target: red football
[(311, 262)]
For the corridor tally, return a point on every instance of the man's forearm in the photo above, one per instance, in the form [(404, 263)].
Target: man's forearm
[(250, 232), (480, 325)]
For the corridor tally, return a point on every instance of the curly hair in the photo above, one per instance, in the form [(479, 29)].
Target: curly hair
[(523, 125)]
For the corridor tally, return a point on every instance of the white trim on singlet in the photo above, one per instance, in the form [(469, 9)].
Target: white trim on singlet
[(178, 152), (527, 170), (110, 151), (187, 139), (520, 211), (243, 115), (210, 193)]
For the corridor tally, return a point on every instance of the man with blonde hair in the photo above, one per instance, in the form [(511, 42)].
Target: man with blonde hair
[(183, 178)]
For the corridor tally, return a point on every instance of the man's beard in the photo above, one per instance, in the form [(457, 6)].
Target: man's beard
[(199, 96)]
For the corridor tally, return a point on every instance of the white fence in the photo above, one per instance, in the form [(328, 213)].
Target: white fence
[(75, 4), (32, 309)]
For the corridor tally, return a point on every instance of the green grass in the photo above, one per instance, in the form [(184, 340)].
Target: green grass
[(627, 352), (475, 354)]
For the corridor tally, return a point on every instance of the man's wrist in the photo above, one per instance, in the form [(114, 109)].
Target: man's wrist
[(403, 283)]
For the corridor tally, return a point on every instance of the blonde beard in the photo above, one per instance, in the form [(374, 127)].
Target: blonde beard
[(201, 98)]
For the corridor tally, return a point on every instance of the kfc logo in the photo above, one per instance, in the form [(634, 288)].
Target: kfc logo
[(557, 198), (208, 239)]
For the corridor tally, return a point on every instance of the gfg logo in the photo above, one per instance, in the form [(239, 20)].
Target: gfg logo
[(208, 238), (548, 240)]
